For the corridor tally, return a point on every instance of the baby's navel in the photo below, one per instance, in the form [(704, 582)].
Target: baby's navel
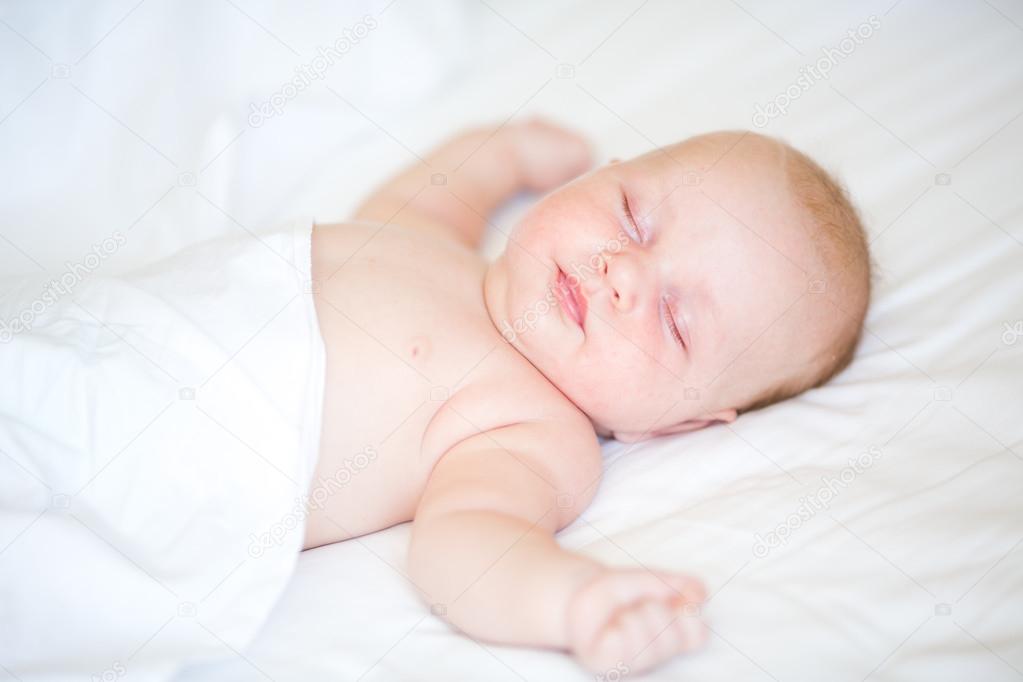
[(419, 348)]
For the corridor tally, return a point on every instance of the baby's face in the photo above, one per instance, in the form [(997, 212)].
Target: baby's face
[(658, 294)]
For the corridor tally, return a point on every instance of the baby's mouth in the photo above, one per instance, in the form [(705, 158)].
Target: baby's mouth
[(569, 295)]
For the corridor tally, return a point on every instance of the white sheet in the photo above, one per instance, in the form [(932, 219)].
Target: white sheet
[(935, 91), (158, 433)]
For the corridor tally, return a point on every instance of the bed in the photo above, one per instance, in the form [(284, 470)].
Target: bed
[(870, 529)]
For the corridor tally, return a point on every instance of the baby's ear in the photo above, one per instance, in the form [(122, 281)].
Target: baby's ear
[(719, 417)]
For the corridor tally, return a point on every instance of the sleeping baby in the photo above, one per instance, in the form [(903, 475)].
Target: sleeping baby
[(168, 435), (644, 298)]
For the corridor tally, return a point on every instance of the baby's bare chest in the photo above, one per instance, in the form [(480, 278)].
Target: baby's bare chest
[(410, 353)]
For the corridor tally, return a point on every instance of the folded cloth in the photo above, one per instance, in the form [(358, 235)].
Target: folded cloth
[(157, 436)]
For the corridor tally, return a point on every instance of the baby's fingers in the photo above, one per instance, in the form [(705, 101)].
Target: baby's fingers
[(643, 635), (689, 629), (631, 617), (668, 631), (657, 640), (687, 590)]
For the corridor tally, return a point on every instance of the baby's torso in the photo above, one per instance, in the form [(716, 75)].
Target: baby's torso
[(414, 365)]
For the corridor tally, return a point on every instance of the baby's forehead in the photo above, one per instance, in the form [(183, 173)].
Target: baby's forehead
[(737, 193), (744, 173), (722, 148)]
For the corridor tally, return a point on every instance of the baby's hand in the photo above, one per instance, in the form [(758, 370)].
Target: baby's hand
[(634, 619), (549, 155)]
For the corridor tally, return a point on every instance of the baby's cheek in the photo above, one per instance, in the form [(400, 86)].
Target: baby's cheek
[(614, 369)]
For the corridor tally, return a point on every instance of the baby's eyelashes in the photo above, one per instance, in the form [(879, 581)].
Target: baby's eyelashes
[(632, 227), (672, 321)]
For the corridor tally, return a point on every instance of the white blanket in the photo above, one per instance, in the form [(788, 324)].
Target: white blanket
[(157, 435)]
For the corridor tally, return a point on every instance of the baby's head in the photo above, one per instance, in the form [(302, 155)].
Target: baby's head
[(686, 286)]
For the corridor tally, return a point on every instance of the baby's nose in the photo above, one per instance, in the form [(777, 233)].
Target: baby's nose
[(619, 277), (622, 298)]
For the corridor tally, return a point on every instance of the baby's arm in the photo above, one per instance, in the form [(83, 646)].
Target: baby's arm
[(480, 169), (483, 551)]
